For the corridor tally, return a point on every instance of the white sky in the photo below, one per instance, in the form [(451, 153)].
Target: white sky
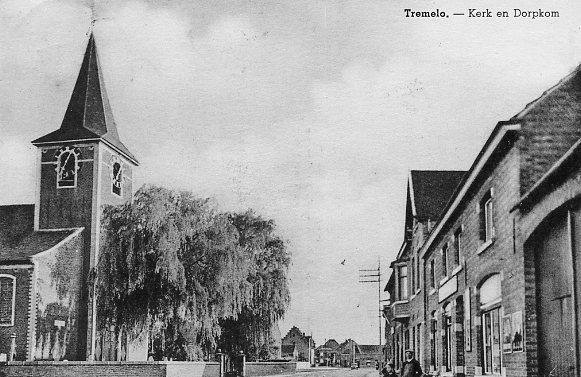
[(310, 112)]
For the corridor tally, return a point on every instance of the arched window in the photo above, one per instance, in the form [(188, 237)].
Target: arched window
[(7, 296), (67, 168), (117, 178), (490, 299), (490, 291)]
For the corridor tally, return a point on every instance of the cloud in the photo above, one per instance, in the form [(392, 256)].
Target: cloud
[(310, 112)]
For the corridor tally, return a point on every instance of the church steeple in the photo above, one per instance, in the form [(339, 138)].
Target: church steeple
[(89, 115)]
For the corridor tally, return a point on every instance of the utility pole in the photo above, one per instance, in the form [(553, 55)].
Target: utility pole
[(374, 276)]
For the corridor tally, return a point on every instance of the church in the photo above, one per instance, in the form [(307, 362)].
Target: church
[(48, 249)]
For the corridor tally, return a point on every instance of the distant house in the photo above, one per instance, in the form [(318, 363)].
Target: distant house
[(369, 354), (328, 353), (289, 352), (348, 353), (302, 343)]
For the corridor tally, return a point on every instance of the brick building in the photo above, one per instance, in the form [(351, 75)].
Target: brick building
[(328, 353), (497, 274), (47, 249), (303, 344), (427, 195)]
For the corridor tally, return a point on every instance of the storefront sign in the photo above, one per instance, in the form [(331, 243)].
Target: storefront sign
[(449, 288)]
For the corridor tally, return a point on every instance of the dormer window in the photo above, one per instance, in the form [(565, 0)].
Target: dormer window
[(117, 178), (67, 168)]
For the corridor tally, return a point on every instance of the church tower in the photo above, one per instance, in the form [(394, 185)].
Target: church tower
[(82, 166)]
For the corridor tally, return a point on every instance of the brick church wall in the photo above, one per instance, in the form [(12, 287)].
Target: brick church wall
[(23, 275), (58, 293)]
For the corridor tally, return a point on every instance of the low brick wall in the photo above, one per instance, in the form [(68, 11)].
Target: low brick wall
[(303, 365), (270, 368), (110, 369)]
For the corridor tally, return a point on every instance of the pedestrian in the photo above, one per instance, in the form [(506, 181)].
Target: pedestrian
[(411, 367), (389, 370)]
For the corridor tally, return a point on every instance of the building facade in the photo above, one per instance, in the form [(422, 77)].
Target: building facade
[(303, 345), (48, 249), (499, 269)]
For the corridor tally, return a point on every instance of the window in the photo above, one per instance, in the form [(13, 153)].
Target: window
[(490, 296), (433, 342), (117, 179), (67, 168), (448, 340), (7, 295), (486, 217), (413, 277), (433, 273), (445, 259), (413, 340), (418, 272), (403, 283), (418, 347), (457, 246)]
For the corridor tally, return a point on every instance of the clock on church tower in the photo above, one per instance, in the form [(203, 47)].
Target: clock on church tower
[(67, 165)]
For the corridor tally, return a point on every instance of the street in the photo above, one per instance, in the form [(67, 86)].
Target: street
[(338, 372)]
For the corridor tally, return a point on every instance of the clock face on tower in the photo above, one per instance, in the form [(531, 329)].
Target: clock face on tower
[(67, 167)]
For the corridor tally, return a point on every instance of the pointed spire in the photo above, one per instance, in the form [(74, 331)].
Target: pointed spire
[(88, 114)]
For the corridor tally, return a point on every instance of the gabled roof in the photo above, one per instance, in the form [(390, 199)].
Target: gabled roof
[(558, 101), (329, 344), (89, 115), (559, 171), (430, 191), (18, 240), (347, 346), (32, 244), (495, 142), (16, 221)]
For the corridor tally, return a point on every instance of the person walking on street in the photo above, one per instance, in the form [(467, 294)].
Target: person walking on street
[(411, 367)]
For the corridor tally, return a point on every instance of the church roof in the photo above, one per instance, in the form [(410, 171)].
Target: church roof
[(18, 240), (32, 244), (16, 221), (89, 115)]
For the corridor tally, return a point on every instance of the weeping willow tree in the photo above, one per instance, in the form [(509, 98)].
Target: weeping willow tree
[(172, 263), (251, 330)]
